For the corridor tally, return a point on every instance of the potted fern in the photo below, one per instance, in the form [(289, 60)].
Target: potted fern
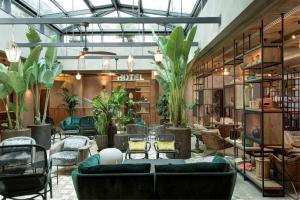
[(175, 72), (42, 77)]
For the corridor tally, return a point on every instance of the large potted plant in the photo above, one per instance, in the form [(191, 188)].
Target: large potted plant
[(17, 79), (175, 72), (42, 77), (105, 109), (70, 101)]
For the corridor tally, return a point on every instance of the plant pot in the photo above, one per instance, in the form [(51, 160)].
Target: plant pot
[(112, 130), (9, 133), (101, 141), (183, 141), (42, 134)]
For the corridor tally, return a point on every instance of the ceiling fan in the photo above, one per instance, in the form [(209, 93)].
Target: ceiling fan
[(85, 50)]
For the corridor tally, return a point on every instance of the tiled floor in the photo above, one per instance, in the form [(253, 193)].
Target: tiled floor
[(64, 190)]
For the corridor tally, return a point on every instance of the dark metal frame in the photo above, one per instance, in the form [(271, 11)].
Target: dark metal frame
[(140, 137), (165, 137)]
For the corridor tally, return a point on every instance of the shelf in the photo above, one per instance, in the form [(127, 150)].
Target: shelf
[(259, 80), (249, 51), (142, 91), (258, 65), (268, 184), (143, 112), (231, 61), (266, 110), (232, 85), (240, 146), (232, 107)]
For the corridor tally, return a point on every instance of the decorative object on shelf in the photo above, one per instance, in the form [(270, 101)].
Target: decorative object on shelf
[(246, 166), (13, 52), (258, 168), (256, 133), (130, 63)]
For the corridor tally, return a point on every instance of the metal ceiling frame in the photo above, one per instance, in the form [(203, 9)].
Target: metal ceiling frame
[(97, 44), (105, 57)]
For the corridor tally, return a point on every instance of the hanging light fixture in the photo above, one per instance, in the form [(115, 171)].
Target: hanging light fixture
[(78, 76), (226, 72), (158, 56), (13, 52), (130, 63)]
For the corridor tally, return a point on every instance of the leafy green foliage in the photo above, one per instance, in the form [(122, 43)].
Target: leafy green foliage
[(163, 106), (71, 101), (174, 72), (106, 107)]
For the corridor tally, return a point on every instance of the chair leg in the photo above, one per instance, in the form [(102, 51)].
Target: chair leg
[(146, 155), (57, 174), (45, 193), (50, 186)]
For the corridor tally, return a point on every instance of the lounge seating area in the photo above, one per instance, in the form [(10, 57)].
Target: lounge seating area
[(142, 99)]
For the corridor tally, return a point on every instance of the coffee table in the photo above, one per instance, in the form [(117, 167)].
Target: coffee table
[(154, 162)]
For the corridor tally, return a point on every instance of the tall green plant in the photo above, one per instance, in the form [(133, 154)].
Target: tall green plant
[(43, 74), (5, 91), (175, 71), (106, 107), (71, 101)]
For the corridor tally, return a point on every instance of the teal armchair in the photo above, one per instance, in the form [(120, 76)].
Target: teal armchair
[(70, 123)]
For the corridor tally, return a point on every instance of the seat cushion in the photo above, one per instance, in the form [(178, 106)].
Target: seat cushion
[(74, 143), (92, 161), (192, 167), (119, 168), (137, 145), (15, 158), (64, 158), (166, 145)]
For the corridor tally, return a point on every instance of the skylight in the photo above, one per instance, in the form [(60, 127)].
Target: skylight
[(98, 3)]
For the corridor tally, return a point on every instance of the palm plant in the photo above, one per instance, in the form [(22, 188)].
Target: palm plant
[(106, 107), (174, 72), (71, 101)]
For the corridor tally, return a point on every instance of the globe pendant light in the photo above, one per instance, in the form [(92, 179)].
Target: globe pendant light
[(158, 56), (13, 52), (78, 76), (130, 63)]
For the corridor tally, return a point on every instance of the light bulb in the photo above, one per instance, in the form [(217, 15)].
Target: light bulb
[(226, 72), (78, 76), (13, 53), (293, 36), (130, 63), (158, 56)]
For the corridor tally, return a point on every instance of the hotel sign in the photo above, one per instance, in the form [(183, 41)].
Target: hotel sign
[(130, 77)]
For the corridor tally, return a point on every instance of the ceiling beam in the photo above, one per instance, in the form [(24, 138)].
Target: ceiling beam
[(116, 32), (109, 20), (88, 4), (105, 57), (59, 7), (99, 44), (168, 10)]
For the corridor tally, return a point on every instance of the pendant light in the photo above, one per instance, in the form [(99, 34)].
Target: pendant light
[(78, 76), (130, 63), (13, 52), (158, 57)]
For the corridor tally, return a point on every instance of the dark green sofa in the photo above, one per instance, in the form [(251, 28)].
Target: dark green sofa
[(135, 181), (70, 123), (87, 126), (124, 181)]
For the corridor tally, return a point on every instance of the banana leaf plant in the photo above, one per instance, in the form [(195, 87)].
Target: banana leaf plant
[(17, 78), (174, 72), (43, 74)]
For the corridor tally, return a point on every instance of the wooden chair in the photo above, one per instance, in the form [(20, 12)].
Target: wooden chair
[(291, 169), (213, 140)]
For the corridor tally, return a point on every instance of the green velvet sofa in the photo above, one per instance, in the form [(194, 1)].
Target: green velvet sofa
[(70, 123), (214, 180)]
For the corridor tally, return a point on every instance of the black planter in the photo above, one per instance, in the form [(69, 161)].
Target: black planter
[(41, 134), (112, 130)]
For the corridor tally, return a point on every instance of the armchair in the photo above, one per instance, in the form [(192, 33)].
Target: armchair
[(138, 144), (26, 172), (213, 140), (165, 144), (87, 126), (69, 152)]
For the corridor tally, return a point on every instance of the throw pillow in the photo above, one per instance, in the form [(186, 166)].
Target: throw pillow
[(166, 145), (137, 145), (73, 144), (119, 168), (92, 161), (219, 159)]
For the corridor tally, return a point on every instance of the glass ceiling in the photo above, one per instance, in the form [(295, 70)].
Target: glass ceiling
[(112, 8)]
